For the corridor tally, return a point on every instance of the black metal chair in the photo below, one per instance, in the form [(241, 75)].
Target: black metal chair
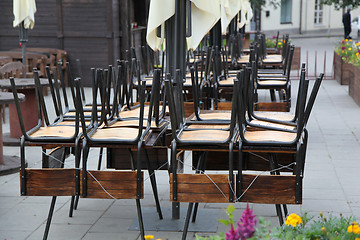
[(200, 138), (273, 142), (59, 138)]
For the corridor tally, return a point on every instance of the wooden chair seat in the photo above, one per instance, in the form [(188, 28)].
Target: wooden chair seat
[(274, 56), (134, 113), (272, 82), (218, 115), (271, 75), (282, 116), (270, 124), (70, 123), (122, 133), (228, 81), (271, 60), (269, 136), (133, 123), (204, 135), (54, 131), (209, 126)]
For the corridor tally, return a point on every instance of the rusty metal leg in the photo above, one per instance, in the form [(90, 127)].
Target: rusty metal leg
[(153, 184), (48, 222), (187, 220)]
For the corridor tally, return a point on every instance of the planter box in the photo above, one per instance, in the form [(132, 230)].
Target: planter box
[(354, 84), (342, 71), (295, 64)]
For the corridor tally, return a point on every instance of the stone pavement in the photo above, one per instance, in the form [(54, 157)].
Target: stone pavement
[(331, 184)]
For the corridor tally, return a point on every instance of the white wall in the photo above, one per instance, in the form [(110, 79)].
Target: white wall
[(272, 23)]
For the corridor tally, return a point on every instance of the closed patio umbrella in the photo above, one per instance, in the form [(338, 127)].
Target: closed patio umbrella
[(229, 9), (246, 13), (24, 18), (204, 15), (159, 12)]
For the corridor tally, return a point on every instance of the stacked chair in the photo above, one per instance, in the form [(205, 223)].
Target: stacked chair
[(239, 153)]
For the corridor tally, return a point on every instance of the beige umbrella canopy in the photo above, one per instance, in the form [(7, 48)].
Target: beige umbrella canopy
[(159, 12), (24, 18), (24, 11), (204, 15), (246, 13), (229, 9)]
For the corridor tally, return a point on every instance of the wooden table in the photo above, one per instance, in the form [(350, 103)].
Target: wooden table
[(28, 107), (8, 164)]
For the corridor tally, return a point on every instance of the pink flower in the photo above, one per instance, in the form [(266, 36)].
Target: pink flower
[(343, 48), (248, 221), (343, 41), (232, 234)]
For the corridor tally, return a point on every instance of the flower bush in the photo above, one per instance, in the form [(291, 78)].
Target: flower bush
[(349, 51), (270, 43), (295, 228)]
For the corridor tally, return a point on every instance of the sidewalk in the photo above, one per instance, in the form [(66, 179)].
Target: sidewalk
[(331, 184)]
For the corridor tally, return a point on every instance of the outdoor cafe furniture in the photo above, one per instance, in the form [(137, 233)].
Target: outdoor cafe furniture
[(33, 60), (8, 164)]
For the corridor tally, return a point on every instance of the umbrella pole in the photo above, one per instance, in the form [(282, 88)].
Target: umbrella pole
[(23, 37)]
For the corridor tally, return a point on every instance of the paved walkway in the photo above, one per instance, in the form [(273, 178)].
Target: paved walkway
[(331, 184)]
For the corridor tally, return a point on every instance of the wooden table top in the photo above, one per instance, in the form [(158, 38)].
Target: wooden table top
[(8, 97), (22, 83)]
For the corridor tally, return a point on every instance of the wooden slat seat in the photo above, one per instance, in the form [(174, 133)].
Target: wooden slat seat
[(272, 82), (209, 126), (270, 124), (271, 60), (269, 136), (123, 133), (55, 131), (134, 112), (229, 81), (204, 135), (282, 116), (133, 123), (217, 115)]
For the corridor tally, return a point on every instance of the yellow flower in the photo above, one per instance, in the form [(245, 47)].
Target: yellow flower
[(342, 51), (148, 237), (293, 220), (350, 40), (357, 54), (354, 228), (323, 229), (349, 48), (346, 40), (357, 44)]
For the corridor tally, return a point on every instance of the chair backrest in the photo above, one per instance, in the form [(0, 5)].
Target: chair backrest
[(243, 107), (12, 69)]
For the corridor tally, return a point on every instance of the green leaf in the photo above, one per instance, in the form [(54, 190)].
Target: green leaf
[(225, 222)]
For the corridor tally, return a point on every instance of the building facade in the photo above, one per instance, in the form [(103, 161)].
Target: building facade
[(302, 17)]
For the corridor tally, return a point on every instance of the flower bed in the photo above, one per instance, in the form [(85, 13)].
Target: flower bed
[(295, 227)]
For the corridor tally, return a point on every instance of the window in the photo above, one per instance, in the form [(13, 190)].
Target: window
[(319, 12), (285, 11)]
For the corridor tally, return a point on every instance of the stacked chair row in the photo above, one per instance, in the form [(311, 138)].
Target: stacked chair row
[(265, 150)]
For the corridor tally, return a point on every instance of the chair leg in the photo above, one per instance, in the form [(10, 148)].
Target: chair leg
[(48, 222), (100, 158), (153, 185), (187, 220), (279, 214), (140, 219), (272, 95)]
